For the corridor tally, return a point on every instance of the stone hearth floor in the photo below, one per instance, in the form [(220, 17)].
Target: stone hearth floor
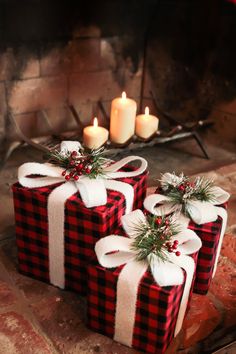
[(36, 318)]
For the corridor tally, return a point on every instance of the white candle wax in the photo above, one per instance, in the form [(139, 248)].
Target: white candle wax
[(122, 121), (94, 136), (146, 124)]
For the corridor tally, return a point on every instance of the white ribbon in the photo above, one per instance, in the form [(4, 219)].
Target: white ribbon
[(200, 212), (93, 193), (165, 273)]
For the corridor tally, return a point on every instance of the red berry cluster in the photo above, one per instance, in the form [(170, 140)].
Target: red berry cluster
[(183, 186), (158, 221), (171, 246), (77, 167)]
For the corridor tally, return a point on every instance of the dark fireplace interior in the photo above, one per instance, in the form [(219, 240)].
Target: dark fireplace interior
[(77, 52)]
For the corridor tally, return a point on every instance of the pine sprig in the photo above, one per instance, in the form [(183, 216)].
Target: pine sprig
[(180, 189), (77, 163), (58, 159), (202, 190), (154, 237)]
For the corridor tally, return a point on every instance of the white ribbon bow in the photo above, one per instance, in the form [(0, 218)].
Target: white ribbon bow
[(93, 193), (165, 273), (199, 211)]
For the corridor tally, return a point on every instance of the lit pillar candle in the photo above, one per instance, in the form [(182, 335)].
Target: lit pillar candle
[(122, 121), (146, 124), (94, 136)]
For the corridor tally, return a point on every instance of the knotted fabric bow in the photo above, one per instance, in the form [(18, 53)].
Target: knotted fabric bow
[(93, 193), (165, 273), (200, 212)]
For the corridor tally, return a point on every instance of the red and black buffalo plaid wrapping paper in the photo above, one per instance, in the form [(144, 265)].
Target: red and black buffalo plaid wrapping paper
[(83, 227), (156, 308), (209, 234)]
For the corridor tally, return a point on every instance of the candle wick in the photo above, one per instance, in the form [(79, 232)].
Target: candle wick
[(146, 111), (95, 122), (123, 95)]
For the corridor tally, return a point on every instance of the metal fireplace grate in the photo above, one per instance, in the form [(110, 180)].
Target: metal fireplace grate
[(176, 131)]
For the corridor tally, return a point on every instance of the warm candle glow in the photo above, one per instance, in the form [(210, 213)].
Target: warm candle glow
[(122, 121), (146, 124), (123, 95), (146, 111), (95, 122), (94, 136)]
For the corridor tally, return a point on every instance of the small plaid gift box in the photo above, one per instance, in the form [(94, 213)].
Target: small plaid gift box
[(56, 232), (140, 308), (207, 218)]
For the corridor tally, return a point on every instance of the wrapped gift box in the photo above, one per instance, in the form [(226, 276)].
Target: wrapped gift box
[(209, 234), (83, 227), (125, 299), (156, 308)]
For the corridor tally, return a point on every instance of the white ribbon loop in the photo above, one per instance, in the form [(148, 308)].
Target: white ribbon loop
[(52, 174), (161, 272), (111, 171), (189, 242), (120, 246), (220, 195), (114, 251), (158, 204), (132, 219), (69, 145), (92, 191), (201, 212)]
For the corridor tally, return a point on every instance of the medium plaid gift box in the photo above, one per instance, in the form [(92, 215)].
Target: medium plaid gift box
[(207, 218), (139, 308), (55, 245)]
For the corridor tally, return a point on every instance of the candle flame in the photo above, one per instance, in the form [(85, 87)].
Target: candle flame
[(146, 111), (95, 122), (123, 95)]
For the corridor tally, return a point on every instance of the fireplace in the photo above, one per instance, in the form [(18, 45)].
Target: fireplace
[(57, 53)]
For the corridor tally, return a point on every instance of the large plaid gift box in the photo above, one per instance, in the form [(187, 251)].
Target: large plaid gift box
[(207, 219), (82, 228), (158, 310)]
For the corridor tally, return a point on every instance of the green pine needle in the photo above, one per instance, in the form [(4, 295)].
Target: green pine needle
[(151, 238), (56, 158), (93, 158), (199, 189)]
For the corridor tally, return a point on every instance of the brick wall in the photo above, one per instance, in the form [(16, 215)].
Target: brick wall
[(84, 70), (53, 52)]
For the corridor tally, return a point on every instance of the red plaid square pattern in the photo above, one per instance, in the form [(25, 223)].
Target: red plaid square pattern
[(83, 227), (209, 234), (156, 309)]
